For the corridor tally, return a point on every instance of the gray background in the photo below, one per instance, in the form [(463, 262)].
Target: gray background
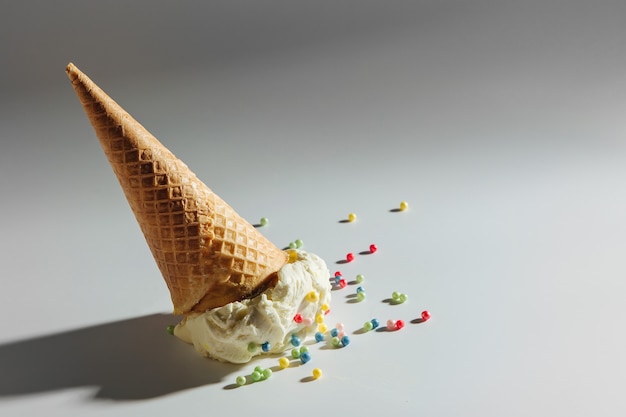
[(500, 122)]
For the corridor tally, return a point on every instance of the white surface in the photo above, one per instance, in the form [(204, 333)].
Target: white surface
[(501, 124)]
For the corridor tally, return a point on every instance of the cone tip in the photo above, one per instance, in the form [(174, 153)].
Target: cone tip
[(72, 71)]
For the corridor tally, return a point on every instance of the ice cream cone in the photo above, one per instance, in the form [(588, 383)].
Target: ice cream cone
[(209, 256)]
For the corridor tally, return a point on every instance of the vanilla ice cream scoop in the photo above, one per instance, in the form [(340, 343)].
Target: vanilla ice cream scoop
[(243, 329)]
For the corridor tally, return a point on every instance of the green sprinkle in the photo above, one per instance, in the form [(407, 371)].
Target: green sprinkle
[(395, 296), (256, 376), (241, 380), (267, 373), (170, 329), (303, 349), (264, 221), (298, 243), (295, 353), (292, 245), (368, 326), (360, 278), (335, 341), (403, 298), (360, 296), (252, 347)]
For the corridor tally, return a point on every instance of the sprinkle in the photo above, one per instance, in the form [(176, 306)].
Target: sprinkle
[(395, 296), (265, 347), (399, 324), (170, 329), (403, 298), (295, 353), (293, 256), (319, 318), (335, 341), (317, 373), (391, 325), (404, 205), (307, 321), (375, 323), (292, 245), (295, 340), (350, 257), (319, 336), (303, 349), (241, 380), (256, 376), (359, 289), (399, 298), (342, 283), (351, 217), (360, 296), (251, 347), (345, 340), (359, 278), (305, 357), (322, 328), (264, 221), (283, 363), (340, 326), (267, 373), (297, 318), (334, 332), (367, 326), (373, 248), (298, 243), (337, 273), (312, 297), (425, 315), (325, 307)]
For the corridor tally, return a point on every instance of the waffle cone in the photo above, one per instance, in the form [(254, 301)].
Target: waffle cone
[(208, 255)]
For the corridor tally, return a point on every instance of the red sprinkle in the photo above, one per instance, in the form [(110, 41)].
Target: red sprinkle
[(373, 248), (298, 318), (327, 312), (342, 283), (399, 324), (425, 315), (350, 257), (338, 273)]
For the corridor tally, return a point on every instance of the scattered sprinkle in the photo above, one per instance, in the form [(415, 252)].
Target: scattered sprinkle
[(295, 353), (319, 336), (404, 205), (375, 323), (317, 373), (367, 326), (351, 217), (359, 278), (350, 257), (345, 340), (256, 376), (265, 347), (297, 318), (373, 248), (298, 243), (264, 221), (241, 380), (283, 363), (399, 324), (425, 315), (305, 357)]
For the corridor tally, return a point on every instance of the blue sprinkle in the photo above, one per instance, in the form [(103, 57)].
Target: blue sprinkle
[(295, 340), (265, 347), (305, 357), (375, 323), (345, 340), (334, 332), (319, 337), (359, 289)]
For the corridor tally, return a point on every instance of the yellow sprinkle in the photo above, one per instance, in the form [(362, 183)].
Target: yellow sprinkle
[(319, 318), (404, 205), (322, 328), (351, 217), (283, 363), (325, 307), (317, 373), (293, 256), (312, 297)]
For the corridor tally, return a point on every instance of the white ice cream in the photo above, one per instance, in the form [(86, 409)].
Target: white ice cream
[(236, 332)]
